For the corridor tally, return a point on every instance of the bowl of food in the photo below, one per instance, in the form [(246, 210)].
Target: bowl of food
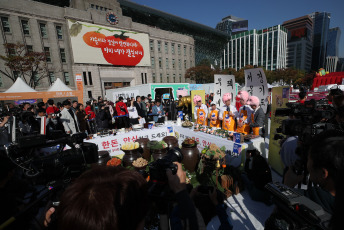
[(115, 161), (137, 126), (140, 163), (187, 124)]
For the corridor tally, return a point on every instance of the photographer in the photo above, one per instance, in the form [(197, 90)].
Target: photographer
[(4, 136), (103, 118), (115, 198), (28, 124), (325, 159)]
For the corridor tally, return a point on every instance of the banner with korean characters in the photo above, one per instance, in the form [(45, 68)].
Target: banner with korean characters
[(204, 139), (256, 85), (224, 84), (125, 94), (113, 143), (98, 44)]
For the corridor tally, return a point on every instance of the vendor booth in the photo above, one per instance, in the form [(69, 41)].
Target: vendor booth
[(21, 92)]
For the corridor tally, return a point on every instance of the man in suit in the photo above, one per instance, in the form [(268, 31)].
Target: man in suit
[(258, 115), (138, 106), (158, 112), (69, 119)]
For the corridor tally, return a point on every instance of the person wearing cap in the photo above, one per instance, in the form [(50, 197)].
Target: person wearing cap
[(201, 111), (214, 115), (257, 116), (244, 115), (228, 113)]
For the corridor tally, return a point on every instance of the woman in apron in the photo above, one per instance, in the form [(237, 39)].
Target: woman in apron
[(201, 111), (244, 115), (214, 116), (228, 113)]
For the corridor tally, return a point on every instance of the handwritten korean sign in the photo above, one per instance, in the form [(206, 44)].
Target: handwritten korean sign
[(256, 85), (223, 84)]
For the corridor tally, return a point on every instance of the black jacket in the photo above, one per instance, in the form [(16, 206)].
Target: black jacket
[(103, 119), (140, 111)]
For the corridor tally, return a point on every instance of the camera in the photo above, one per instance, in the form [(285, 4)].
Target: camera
[(58, 164), (58, 114), (157, 169), (158, 188)]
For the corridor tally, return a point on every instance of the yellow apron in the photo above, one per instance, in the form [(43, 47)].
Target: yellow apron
[(242, 117), (228, 122), (201, 118), (214, 114)]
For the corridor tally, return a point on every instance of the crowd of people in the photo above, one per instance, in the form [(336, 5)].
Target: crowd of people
[(73, 117), (249, 118), (118, 198), (102, 114)]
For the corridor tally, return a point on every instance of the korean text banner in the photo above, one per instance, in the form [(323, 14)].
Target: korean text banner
[(256, 85), (223, 84), (97, 44)]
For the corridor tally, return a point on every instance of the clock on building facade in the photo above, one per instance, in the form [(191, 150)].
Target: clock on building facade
[(112, 18)]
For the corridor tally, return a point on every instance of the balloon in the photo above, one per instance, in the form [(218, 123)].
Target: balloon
[(317, 74), (327, 72)]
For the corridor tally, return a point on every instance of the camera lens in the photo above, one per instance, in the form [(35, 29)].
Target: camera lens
[(174, 154)]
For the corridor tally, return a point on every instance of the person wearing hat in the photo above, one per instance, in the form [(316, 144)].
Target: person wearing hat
[(257, 116), (201, 111), (213, 115), (244, 115), (228, 113)]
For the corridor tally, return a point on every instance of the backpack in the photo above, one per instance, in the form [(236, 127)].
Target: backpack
[(257, 169)]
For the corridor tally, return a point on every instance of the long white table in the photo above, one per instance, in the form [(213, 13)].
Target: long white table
[(113, 143)]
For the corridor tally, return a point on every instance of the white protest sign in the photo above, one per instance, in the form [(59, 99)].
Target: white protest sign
[(223, 84), (125, 94), (256, 85)]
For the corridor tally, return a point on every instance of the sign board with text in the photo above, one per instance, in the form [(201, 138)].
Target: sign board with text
[(256, 85), (223, 84), (97, 44), (125, 94)]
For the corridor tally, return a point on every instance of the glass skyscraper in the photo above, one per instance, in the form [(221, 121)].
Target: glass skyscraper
[(321, 22), (232, 25), (333, 42), (265, 48), (300, 42)]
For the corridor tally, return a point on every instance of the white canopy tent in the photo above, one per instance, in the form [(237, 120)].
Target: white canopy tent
[(59, 86), (20, 86)]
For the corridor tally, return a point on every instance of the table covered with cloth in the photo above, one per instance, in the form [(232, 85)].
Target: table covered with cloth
[(113, 143)]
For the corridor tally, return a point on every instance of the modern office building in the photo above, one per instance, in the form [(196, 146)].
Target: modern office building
[(266, 48), (333, 39), (208, 42), (331, 64), (300, 42), (70, 35), (232, 25), (321, 23)]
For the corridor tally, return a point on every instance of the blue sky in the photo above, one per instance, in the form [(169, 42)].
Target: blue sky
[(260, 14)]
